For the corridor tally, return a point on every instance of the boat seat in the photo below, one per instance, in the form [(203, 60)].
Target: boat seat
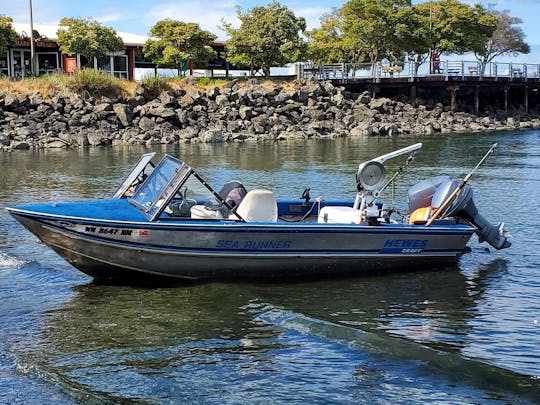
[(204, 212), (339, 215), (258, 206)]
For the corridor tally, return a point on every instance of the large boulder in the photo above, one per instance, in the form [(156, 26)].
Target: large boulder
[(101, 107), (4, 140), (96, 139), (382, 105), (221, 100), (212, 136), (363, 129), (167, 98), (213, 92), (146, 123), (245, 112), (124, 114), (20, 145)]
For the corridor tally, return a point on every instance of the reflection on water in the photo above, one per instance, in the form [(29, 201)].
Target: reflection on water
[(105, 316), (64, 338), (106, 337)]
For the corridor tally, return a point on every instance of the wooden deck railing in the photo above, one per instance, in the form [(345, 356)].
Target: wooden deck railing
[(445, 70)]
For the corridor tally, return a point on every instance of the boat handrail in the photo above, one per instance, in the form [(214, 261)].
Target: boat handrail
[(399, 152)]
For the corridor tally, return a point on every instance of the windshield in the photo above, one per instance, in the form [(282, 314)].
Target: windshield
[(136, 176), (160, 186)]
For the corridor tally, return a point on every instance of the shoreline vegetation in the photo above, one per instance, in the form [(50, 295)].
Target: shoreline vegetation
[(94, 109)]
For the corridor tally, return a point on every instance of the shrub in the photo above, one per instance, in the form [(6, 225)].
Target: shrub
[(156, 84), (95, 83)]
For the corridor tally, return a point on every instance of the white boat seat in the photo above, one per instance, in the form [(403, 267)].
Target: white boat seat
[(339, 215), (203, 212), (258, 206)]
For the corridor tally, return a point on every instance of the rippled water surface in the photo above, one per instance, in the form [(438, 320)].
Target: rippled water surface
[(469, 334)]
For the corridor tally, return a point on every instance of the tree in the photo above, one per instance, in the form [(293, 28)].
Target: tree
[(369, 27), (88, 38), (8, 36), (413, 35), (175, 42), (328, 44), (506, 40), (268, 36), (454, 27), (447, 26)]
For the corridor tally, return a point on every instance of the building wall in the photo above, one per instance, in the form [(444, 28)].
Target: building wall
[(16, 62)]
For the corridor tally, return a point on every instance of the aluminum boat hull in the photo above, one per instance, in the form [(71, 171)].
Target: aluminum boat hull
[(120, 244)]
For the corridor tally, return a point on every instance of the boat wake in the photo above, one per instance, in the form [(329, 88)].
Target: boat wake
[(448, 365), (9, 262)]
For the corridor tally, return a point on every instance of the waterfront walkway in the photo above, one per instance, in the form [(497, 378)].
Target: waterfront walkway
[(447, 70), (512, 83)]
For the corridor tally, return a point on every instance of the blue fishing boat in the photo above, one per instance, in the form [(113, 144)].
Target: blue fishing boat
[(158, 226)]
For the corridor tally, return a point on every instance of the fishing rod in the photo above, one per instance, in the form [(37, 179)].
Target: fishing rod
[(447, 202)]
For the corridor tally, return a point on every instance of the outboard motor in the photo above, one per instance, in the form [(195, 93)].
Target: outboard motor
[(463, 207), (421, 193), (232, 192)]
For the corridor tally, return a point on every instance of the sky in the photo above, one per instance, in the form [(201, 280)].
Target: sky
[(138, 17)]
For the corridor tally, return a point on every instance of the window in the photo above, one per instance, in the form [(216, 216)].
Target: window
[(20, 63), (120, 66), (104, 63), (4, 71), (47, 62), (116, 65)]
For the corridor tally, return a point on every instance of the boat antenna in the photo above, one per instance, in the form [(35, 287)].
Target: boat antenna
[(445, 204)]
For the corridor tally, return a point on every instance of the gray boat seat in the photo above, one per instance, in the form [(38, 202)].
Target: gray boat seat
[(258, 206), (204, 212)]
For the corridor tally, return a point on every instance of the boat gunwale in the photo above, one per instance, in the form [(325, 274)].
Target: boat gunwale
[(239, 226)]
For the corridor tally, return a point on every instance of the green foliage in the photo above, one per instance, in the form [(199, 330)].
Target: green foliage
[(506, 39), (8, 36), (268, 36), (413, 34), (328, 44), (455, 27), (379, 29), (87, 37), (95, 83), (176, 42), (369, 27)]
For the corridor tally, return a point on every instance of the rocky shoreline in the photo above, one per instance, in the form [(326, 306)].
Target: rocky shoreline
[(238, 111)]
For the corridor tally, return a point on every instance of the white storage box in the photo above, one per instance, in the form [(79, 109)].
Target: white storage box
[(339, 215)]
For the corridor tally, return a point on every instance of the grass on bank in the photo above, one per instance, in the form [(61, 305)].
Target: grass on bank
[(86, 82), (92, 83)]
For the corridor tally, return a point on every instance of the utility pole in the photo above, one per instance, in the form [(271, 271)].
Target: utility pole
[(32, 50), (430, 37)]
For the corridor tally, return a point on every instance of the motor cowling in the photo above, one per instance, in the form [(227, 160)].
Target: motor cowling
[(461, 207)]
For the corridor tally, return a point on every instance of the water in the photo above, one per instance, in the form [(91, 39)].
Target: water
[(469, 334)]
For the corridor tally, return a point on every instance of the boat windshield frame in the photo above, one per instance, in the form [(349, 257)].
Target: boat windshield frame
[(136, 175), (154, 195)]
